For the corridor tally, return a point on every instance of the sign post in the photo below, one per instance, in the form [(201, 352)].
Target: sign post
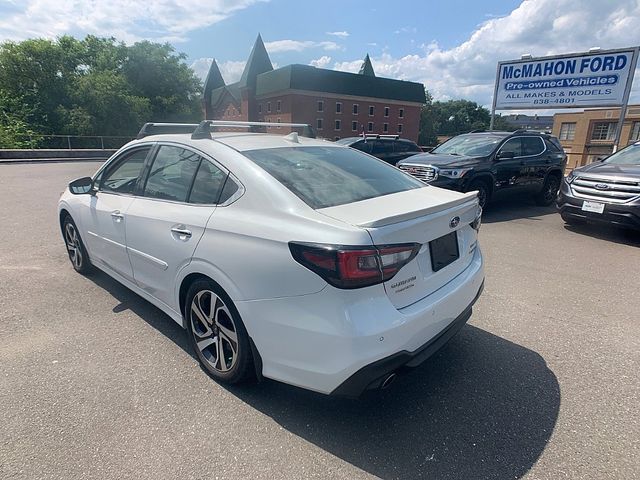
[(578, 80)]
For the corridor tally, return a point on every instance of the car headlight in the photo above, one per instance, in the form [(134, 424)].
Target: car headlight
[(453, 172), (570, 178)]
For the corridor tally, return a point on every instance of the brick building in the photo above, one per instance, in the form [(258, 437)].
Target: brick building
[(589, 135), (336, 104)]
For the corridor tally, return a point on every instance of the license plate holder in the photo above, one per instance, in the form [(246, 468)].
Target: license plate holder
[(595, 207), (444, 251)]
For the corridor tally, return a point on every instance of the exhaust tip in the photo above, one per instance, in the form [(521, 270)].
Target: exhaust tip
[(388, 381)]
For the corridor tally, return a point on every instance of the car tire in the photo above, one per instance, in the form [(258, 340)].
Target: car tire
[(214, 325), (549, 191), (483, 191), (75, 247)]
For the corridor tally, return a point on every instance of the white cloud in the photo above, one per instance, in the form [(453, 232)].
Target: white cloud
[(338, 34), (167, 20), (539, 27), (298, 45), (321, 62), (231, 70)]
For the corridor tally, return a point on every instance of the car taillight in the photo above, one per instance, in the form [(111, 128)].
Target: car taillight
[(354, 266)]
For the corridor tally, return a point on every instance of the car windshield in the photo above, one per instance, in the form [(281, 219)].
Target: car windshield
[(626, 156), (469, 145), (329, 176)]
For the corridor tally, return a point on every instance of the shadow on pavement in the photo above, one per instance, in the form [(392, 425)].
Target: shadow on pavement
[(610, 233), (514, 207), (481, 408)]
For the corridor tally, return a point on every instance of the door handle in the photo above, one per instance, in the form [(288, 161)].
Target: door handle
[(182, 231), (117, 216)]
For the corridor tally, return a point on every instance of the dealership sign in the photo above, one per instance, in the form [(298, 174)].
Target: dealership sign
[(595, 79)]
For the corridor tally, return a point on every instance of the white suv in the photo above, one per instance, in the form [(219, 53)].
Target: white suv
[(285, 257)]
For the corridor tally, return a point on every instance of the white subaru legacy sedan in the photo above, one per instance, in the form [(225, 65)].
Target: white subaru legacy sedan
[(287, 257)]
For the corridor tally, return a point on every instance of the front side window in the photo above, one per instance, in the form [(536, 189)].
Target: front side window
[(123, 175), (604, 131), (329, 176), (568, 131), (171, 174)]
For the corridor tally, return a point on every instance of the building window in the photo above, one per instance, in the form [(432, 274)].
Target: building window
[(399, 128), (355, 109), (319, 124), (338, 107), (386, 111), (320, 106), (354, 126), (259, 108), (268, 107), (337, 124), (568, 131), (604, 131), (336, 138), (371, 110), (278, 106), (370, 126), (635, 132), (385, 127), (278, 121), (401, 113)]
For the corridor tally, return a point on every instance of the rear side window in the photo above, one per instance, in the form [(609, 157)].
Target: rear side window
[(512, 145), (363, 146), (402, 147), (171, 174), (329, 176), (532, 146), (382, 146), (207, 184)]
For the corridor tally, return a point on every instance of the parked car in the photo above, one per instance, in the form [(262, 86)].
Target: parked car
[(390, 148), (607, 191), (286, 257), (493, 163)]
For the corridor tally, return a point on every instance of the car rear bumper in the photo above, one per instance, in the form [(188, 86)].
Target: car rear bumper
[(344, 341), (624, 215)]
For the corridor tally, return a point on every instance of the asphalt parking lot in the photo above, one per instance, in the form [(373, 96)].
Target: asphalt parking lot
[(543, 383)]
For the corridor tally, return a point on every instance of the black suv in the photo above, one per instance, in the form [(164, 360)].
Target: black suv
[(389, 148), (607, 191), (493, 163)]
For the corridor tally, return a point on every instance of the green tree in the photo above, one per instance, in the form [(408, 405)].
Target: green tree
[(93, 86), (454, 117)]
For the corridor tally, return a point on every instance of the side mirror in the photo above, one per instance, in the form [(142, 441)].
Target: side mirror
[(505, 155), (81, 186)]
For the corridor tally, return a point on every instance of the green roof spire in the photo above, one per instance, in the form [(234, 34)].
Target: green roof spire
[(214, 80), (258, 63), (367, 68)]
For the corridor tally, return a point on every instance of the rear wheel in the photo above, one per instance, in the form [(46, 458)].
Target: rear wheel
[(483, 191), (75, 248), (217, 333), (549, 191)]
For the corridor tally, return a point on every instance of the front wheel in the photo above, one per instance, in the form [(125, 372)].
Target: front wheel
[(483, 191), (217, 333), (549, 191), (75, 248)]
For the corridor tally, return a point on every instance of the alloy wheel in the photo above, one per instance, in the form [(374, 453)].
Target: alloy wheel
[(552, 189), (72, 239), (214, 331)]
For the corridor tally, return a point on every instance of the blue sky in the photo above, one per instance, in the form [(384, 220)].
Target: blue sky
[(451, 46)]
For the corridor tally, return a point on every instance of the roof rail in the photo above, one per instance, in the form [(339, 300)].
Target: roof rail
[(529, 130), (165, 128), (379, 135), (204, 129)]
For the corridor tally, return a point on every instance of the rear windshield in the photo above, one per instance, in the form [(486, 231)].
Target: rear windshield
[(329, 176)]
